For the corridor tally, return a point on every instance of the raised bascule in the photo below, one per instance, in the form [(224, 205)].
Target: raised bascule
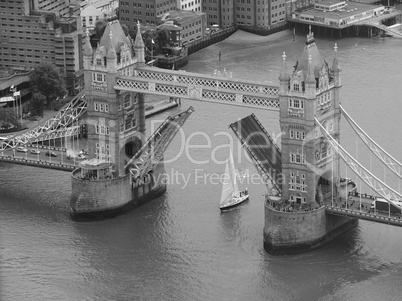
[(125, 168)]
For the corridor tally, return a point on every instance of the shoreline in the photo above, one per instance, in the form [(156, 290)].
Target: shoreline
[(243, 36)]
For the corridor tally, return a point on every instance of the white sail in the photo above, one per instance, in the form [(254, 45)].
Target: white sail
[(233, 174), (229, 187)]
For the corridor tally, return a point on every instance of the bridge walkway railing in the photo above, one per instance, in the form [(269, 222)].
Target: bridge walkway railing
[(392, 219)]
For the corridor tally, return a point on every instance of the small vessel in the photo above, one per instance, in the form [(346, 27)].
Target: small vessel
[(231, 195)]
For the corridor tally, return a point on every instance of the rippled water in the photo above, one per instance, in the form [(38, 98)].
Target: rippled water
[(180, 247)]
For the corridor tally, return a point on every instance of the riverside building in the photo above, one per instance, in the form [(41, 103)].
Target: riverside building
[(35, 31)]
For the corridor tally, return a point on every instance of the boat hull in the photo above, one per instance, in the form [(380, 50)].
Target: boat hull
[(101, 199), (231, 205)]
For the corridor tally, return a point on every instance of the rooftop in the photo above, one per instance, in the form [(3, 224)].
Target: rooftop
[(183, 16), (351, 9)]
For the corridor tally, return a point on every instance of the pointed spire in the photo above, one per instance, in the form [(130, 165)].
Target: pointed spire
[(335, 64), (310, 71), (139, 43), (87, 47), (284, 71), (310, 36)]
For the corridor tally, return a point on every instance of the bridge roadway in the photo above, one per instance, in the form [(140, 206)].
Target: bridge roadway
[(358, 206), (61, 162)]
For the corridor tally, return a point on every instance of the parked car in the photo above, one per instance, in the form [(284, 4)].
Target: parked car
[(51, 154), (21, 149), (35, 151), (81, 156)]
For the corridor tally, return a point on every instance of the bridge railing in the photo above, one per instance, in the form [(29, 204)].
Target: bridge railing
[(189, 78), (200, 87)]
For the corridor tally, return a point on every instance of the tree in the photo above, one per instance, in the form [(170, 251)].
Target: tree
[(38, 102), (162, 37), (8, 118), (46, 79), (99, 29), (125, 29)]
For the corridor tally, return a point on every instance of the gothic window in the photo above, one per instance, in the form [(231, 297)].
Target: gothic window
[(292, 134), (296, 87), (101, 107), (292, 158), (127, 124), (121, 125), (99, 61), (133, 122), (324, 151), (296, 103), (127, 101), (96, 106), (106, 108), (297, 135), (98, 77)]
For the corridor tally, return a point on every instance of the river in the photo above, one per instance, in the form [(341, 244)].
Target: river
[(180, 247)]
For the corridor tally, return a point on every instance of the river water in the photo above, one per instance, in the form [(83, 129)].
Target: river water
[(180, 247)]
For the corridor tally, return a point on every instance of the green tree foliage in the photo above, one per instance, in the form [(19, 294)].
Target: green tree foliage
[(99, 29), (162, 37), (125, 29), (8, 118), (38, 102), (47, 80)]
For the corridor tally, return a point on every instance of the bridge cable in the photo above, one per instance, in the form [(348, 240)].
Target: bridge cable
[(374, 147), (370, 179)]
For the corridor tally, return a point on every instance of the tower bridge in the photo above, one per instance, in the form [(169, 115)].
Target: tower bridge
[(125, 168)]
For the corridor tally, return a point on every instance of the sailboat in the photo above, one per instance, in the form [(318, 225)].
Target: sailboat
[(231, 195)]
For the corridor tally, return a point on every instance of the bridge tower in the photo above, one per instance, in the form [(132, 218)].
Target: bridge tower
[(297, 221), (102, 186), (116, 121), (309, 165)]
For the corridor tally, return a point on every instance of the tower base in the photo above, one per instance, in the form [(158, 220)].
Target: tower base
[(288, 233), (101, 199)]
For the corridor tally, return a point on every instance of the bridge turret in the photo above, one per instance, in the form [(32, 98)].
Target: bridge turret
[(111, 57), (284, 77), (310, 83), (139, 47), (88, 52), (336, 69)]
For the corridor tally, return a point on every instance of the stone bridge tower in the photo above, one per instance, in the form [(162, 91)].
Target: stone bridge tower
[(116, 120), (312, 90)]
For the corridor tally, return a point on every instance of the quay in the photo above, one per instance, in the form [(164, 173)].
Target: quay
[(345, 18)]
